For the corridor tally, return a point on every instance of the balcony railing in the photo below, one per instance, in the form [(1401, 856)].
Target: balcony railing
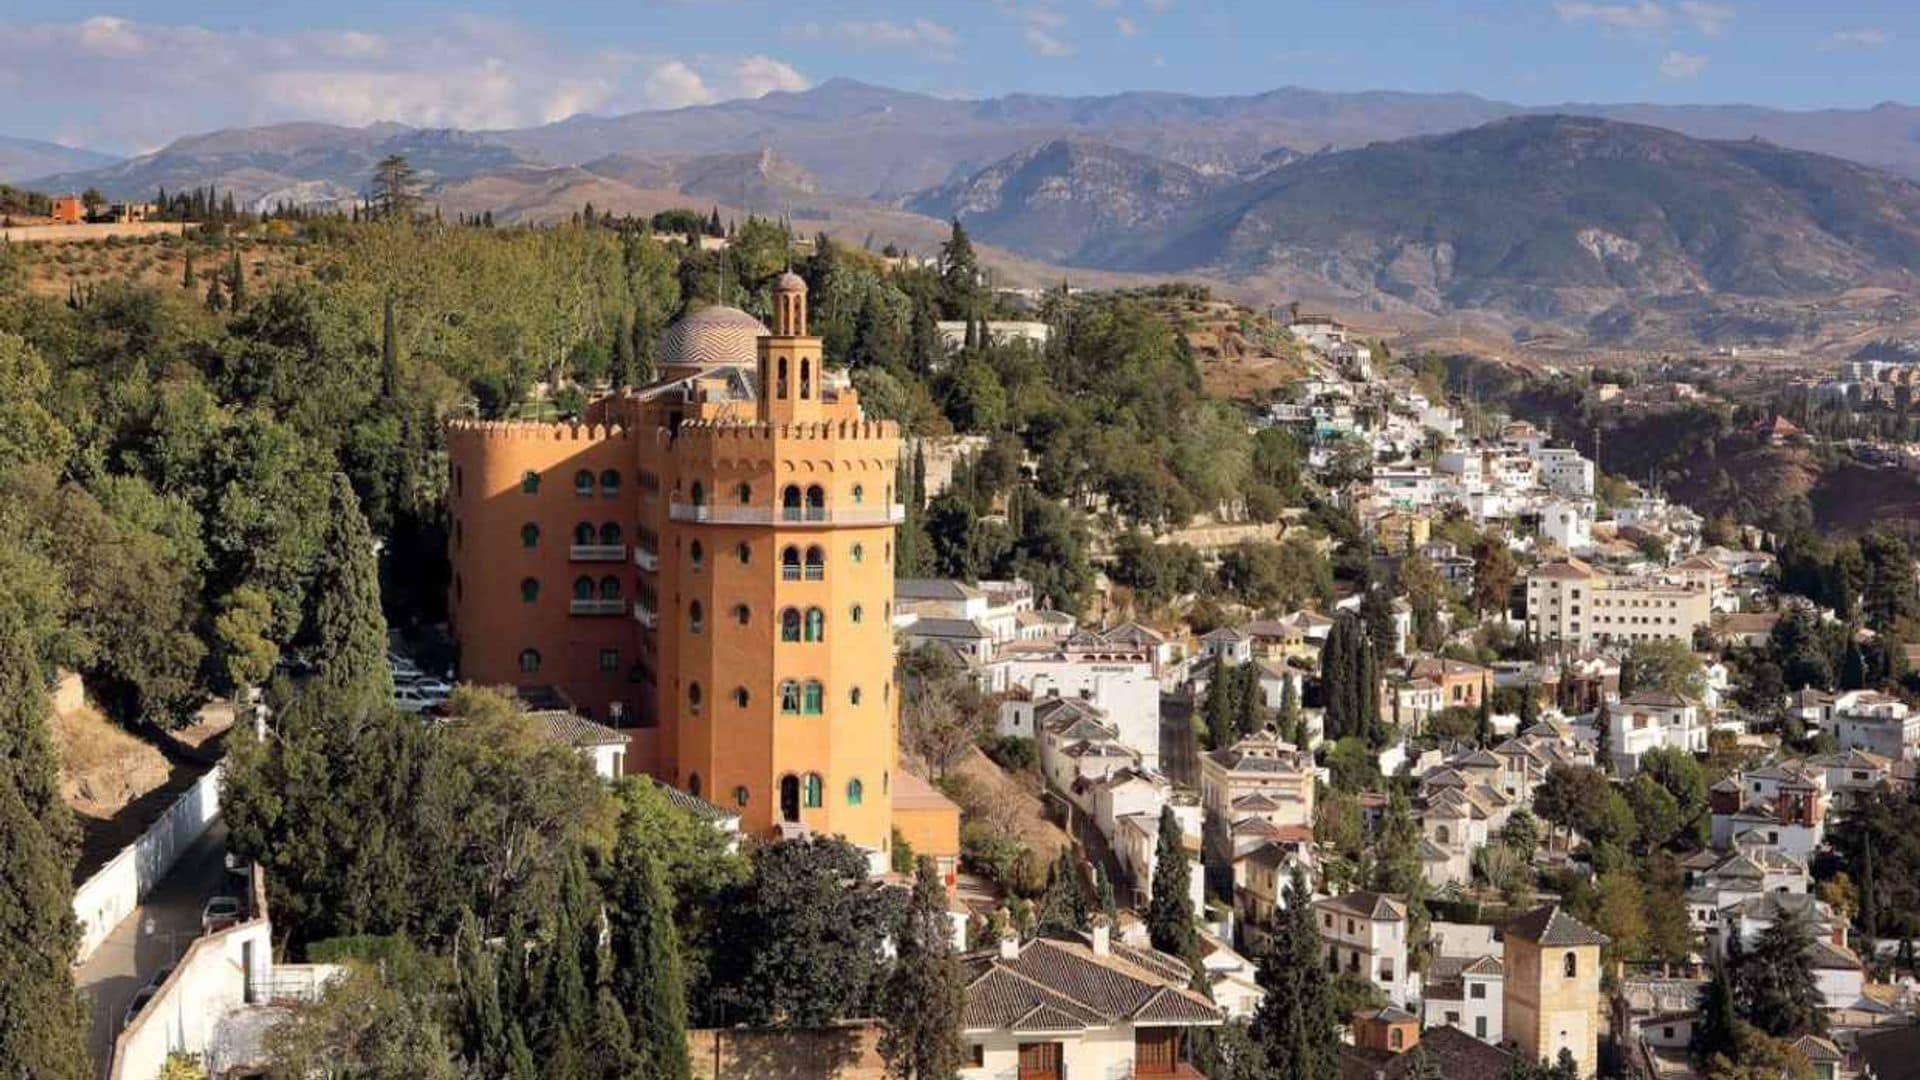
[(597, 552), (646, 560), (645, 615), (790, 515), (596, 606)]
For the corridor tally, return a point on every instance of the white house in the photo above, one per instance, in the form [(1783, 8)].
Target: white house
[(1466, 992), (1643, 721), (1871, 721), (1365, 934), (1568, 523)]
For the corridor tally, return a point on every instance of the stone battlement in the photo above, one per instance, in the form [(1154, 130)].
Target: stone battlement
[(534, 431), (756, 431)]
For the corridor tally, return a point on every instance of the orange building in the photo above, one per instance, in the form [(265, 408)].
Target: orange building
[(707, 564), (68, 209)]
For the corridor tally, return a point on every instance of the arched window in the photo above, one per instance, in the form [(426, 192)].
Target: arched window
[(740, 795), (584, 533), (855, 792), (815, 794), (529, 661), (1570, 965), (806, 379), (790, 697), (693, 785), (699, 493), (886, 781), (780, 379), (529, 590), (790, 625), (816, 503), (858, 553), (530, 482), (856, 613), (816, 564), (696, 554), (693, 698), (744, 552), (741, 697), (790, 502), (816, 629), (853, 696), (610, 533), (744, 491), (696, 617), (742, 614), (859, 494), (583, 588), (609, 481), (583, 482), (609, 588), (790, 564), (529, 535), (813, 699)]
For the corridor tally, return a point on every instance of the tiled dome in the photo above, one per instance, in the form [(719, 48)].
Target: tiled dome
[(712, 335)]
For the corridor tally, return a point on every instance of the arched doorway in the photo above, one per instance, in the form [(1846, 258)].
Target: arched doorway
[(790, 798)]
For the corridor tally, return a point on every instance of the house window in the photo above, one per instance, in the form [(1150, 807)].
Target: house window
[(529, 661), (693, 698), (853, 696), (744, 553), (740, 696), (610, 533), (530, 482), (699, 493), (815, 793), (740, 795), (1477, 991), (1570, 965), (790, 564), (583, 533), (816, 503), (814, 700), (529, 590), (609, 588), (790, 625), (859, 494), (609, 659), (696, 617), (609, 481), (742, 614), (744, 492), (583, 588), (696, 554), (858, 554), (856, 613), (976, 1055), (693, 785), (529, 535), (1396, 1039), (816, 629), (583, 482), (790, 697), (1452, 1018), (816, 564), (1480, 1027)]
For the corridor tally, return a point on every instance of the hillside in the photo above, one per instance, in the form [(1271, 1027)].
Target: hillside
[(1065, 200), (24, 159), (1555, 217)]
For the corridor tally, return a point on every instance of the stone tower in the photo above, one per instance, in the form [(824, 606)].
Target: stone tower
[(1553, 987)]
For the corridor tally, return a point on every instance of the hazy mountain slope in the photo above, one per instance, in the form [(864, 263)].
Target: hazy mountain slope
[(1064, 201), (25, 159), (1555, 216)]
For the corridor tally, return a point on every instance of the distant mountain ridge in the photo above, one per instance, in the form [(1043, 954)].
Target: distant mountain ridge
[(22, 159)]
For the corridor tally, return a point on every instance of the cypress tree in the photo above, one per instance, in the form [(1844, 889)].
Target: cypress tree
[(236, 282), (1065, 905), (1483, 721), (611, 1053), (43, 1026), (482, 1027), (1297, 1026), (647, 980), (186, 276), (1170, 908), (347, 632), (1219, 709), (924, 995)]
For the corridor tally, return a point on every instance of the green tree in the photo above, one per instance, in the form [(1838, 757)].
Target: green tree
[(1297, 1026), (1493, 575), (959, 275), (243, 645), (347, 633), (1170, 926), (362, 1028), (1663, 667), (1774, 983), (646, 984), (925, 994), (1065, 905), (395, 190)]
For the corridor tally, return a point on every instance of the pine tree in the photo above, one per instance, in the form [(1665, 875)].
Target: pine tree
[(647, 979), (44, 1026), (347, 633), (1774, 982), (215, 302), (1297, 1026), (236, 283), (1065, 905), (924, 995), (1170, 908)]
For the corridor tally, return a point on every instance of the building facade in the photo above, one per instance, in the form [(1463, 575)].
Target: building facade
[(1576, 606), (706, 565), (1552, 987)]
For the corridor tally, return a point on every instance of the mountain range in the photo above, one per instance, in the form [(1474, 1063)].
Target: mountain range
[(23, 159), (1399, 202)]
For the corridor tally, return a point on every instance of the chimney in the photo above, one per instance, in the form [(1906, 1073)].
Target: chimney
[(1102, 936), (1010, 945)]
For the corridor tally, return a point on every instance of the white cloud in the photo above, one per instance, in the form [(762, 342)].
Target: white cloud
[(1042, 27), (758, 75), (1643, 15), (1159, 5), (1865, 37), (1710, 18), (1126, 26), (925, 36), (1044, 43), (674, 85), (126, 84), (1682, 65)]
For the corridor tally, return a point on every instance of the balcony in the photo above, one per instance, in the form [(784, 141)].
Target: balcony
[(646, 560), (645, 615), (765, 515), (597, 552), (596, 607)]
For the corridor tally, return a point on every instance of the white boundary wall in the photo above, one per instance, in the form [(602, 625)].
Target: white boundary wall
[(111, 894)]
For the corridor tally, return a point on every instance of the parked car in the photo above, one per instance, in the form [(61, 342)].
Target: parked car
[(439, 689), (140, 999), (220, 913), (410, 700)]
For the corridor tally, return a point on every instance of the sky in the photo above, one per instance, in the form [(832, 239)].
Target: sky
[(129, 77)]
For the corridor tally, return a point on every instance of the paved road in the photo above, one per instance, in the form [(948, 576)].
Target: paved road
[(131, 955)]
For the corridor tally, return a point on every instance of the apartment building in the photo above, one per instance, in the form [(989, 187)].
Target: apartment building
[(1578, 607)]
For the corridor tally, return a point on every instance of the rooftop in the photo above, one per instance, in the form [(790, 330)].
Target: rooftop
[(1552, 927)]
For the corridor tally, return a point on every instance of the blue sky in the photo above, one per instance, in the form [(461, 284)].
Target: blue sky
[(130, 76)]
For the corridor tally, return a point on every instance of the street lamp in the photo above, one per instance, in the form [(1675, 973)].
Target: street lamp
[(152, 929)]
